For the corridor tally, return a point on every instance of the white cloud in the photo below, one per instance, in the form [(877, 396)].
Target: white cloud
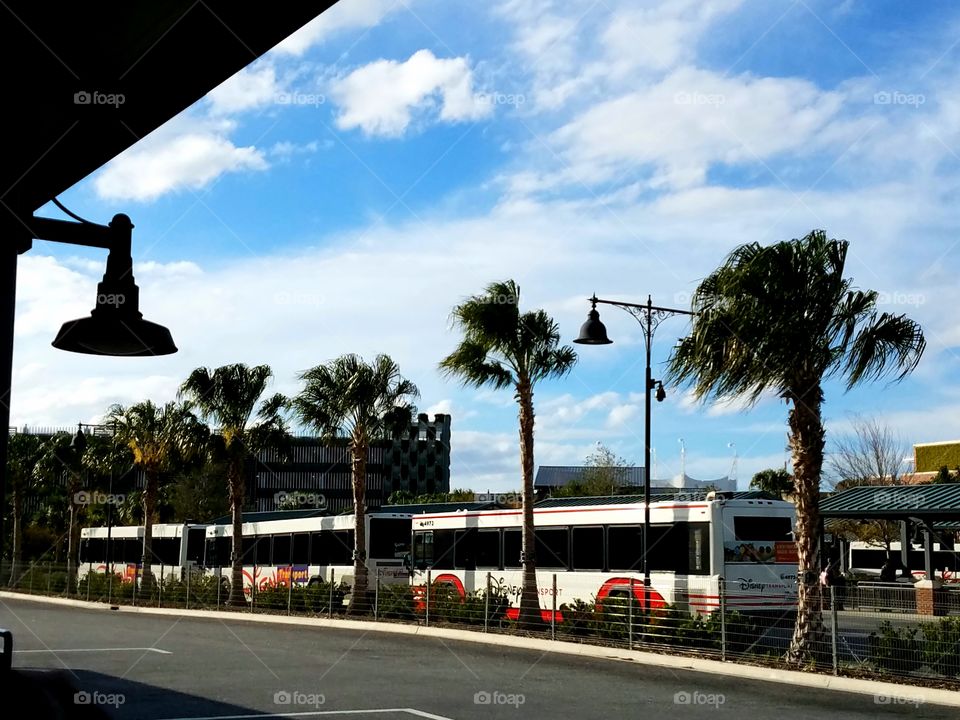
[(248, 89), (381, 98), (169, 160), (691, 120), (344, 15)]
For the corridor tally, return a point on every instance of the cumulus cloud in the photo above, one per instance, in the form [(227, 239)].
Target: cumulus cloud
[(175, 158), (382, 97), (344, 15), (247, 90)]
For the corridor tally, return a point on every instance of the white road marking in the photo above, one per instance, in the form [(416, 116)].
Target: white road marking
[(121, 649), (318, 713)]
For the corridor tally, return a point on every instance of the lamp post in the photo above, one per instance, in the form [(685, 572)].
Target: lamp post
[(115, 327), (594, 332)]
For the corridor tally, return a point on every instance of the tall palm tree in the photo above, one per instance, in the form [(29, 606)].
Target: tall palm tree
[(228, 398), (23, 453), (364, 402), (504, 348), (161, 438), (783, 319)]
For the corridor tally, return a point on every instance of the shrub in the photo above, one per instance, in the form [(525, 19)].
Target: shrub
[(896, 649)]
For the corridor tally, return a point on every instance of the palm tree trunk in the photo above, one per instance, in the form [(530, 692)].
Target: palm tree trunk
[(358, 461), (17, 551), (149, 511), (236, 487), (530, 616), (806, 445), (73, 532)]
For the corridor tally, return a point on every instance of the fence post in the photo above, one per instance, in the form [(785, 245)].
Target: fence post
[(376, 597), (630, 616), (722, 591), (290, 590), (428, 598), (330, 606), (219, 585), (89, 573), (136, 579), (187, 602), (110, 572), (48, 577), (253, 589), (486, 606), (833, 628), (553, 614), (31, 576)]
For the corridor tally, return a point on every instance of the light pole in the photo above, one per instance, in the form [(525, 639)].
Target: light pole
[(594, 332)]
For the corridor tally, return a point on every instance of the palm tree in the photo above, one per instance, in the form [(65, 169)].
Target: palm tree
[(773, 481), (23, 453), (161, 438), (228, 397), (503, 348), (364, 402), (784, 319)]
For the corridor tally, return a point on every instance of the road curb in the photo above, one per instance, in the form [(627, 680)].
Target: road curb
[(885, 692)]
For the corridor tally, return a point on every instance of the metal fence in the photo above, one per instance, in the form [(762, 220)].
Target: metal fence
[(868, 629)]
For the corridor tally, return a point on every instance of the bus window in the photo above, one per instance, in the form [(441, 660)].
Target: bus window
[(389, 538), (263, 551), (341, 547), (512, 547), (625, 547), (465, 550), (759, 527), (587, 548), (301, 549), (443, 549), (281, 550), (166, 551), (195, 537), (488, 549), (553, 547), (699, 549), (423, 549)]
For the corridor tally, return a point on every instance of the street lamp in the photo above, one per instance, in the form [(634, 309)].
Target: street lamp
[(115, 327), (594, 332)]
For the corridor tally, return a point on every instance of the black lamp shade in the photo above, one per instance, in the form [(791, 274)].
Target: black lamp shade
[(593, 332), (118, 336)]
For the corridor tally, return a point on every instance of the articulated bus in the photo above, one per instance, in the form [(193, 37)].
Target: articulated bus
[(595, 545), (305, 550), (175, 548)]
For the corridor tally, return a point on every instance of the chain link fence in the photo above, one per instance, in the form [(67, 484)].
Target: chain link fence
[(890, 630)]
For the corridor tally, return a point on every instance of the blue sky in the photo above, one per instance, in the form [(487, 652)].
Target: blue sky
[(342, 193)]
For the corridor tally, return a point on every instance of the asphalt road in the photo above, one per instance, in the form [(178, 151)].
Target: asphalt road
[(152, 667)]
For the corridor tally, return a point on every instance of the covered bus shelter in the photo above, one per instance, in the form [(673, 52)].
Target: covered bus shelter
[(930, 513)]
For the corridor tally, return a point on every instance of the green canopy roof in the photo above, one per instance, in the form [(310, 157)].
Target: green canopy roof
[(895, 502)]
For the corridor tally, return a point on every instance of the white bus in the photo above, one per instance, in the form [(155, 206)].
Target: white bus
[(305, 550), (175, 548), (594, 545)]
